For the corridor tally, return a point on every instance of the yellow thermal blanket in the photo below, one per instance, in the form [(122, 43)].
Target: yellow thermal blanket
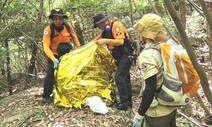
[(84, 72)]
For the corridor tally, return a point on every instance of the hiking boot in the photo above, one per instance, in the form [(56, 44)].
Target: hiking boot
[(122, 106), (47, 99)]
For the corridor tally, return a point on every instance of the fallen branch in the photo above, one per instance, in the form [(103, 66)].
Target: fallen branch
[(189, 119), (198, 9), (203, 105)]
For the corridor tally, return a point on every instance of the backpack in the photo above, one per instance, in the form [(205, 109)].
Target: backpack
[(63, 48), (129, 46), (180, 79), (52, 29)]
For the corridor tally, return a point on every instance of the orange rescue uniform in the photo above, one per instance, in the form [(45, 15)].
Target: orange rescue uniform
[(118, 32), (50, 46)]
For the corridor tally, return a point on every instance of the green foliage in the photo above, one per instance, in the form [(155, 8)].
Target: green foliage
[(161, 2), (21, 25)]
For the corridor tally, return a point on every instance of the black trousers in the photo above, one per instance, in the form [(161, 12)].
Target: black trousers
[(122, 79), (49, 79)]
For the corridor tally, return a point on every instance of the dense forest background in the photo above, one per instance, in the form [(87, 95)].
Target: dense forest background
[(23, 62)]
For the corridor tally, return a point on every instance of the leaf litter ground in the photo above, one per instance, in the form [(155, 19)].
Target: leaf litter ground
[(23, 109)]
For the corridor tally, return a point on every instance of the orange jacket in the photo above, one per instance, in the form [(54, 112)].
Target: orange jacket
[(118, 32), (50, 46)]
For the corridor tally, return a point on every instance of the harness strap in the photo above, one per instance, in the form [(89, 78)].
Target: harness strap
[(52, 29)]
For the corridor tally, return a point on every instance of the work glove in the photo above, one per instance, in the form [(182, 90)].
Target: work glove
[(138, 120), (55, 63)]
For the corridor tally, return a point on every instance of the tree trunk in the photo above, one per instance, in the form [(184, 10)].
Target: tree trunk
[(209, 33), (35, 47), (79, 33), (131, 13), (9, 78), (32, 60), (186, 42), (182, 13), (206, 13)]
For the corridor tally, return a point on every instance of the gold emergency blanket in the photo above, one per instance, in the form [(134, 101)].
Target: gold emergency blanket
[(84, 72)]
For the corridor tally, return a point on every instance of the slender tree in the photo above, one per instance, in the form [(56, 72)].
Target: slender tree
[(206, 13), (9, 78), (131, 11), (182, 14), (35, 45)]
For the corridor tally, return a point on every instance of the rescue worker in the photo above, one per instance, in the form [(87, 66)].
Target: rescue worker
[(113, 35), (50, 45), (150, 112)]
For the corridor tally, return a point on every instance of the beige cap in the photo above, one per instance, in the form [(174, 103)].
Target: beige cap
[(151, 26)]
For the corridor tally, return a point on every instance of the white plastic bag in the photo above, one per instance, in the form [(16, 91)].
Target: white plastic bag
[(96, 105)]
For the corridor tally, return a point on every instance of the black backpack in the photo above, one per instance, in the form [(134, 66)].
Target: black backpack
[(63, 48)]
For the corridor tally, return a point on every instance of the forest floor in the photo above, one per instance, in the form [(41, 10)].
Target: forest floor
[(23, 109)]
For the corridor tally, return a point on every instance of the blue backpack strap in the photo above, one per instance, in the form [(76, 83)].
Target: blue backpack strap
[(108, 34)]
